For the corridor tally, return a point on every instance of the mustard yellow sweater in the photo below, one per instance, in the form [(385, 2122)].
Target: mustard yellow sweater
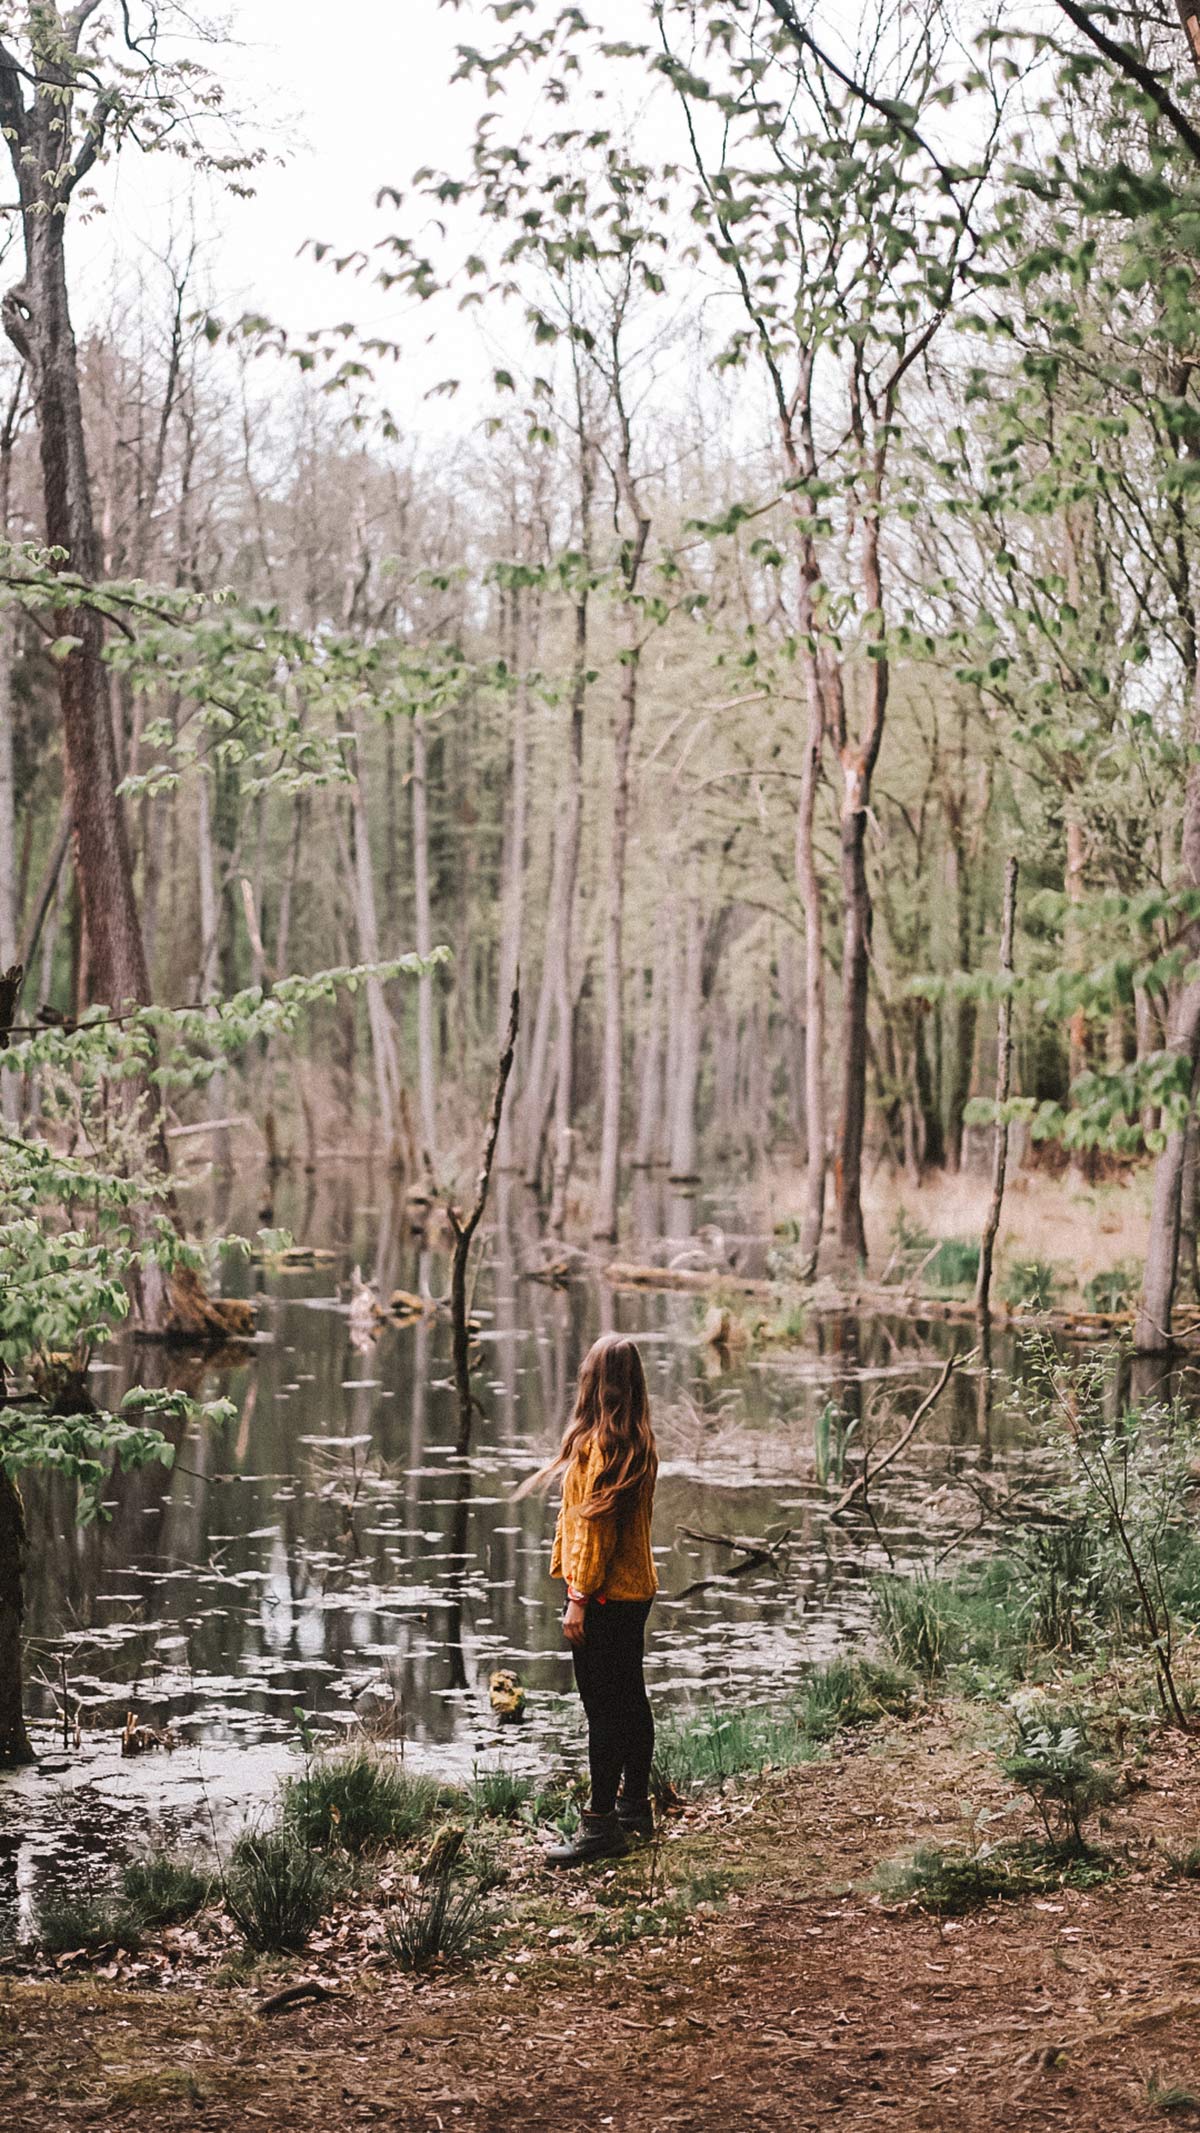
[(607, 1557)]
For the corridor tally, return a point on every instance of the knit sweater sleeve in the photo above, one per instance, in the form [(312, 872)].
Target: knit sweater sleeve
[(594, 1538)]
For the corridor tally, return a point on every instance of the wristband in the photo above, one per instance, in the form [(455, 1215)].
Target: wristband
[(581, 1597)]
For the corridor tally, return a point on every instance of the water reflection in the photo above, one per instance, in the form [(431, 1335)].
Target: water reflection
[(329, 1553)]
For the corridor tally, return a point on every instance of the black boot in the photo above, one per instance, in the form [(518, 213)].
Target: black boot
[(636, 1818), (597, 1837)]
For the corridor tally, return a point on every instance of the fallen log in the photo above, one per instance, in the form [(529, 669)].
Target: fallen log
[(700, 1281)]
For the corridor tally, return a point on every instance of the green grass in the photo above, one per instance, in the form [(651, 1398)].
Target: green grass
[(851, 1692), (1183, 1864), (276, 1890), (707, 1747), (1172, 2099), (951, 1881), (727, 1741), (437, 1921), (359, 1801), (161, 1890), (499, 1795), (954, 1265), (89, 1921)]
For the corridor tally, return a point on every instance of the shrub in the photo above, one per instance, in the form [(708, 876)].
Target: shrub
[(358, 1800), (435, 1921), (851, 1692), (276, 1890), (161, 1890), (1051, 1762), (1063, 1572), (1031, 1285), (498, 1795), (87, 1921)]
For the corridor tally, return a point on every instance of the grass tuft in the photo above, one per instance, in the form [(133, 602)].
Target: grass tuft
[(499, 1795), (161, 1890), (851, 1692), (360, 1801), (276, 1890), (435, 1921), (1171, 2100), (90, 1921), (710, 1746)]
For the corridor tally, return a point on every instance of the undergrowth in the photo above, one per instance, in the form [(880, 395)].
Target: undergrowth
[(360, 1800), (951, 1880), (276, 1889)]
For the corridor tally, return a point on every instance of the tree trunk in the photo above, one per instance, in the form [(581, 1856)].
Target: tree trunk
[(858, 766), (564, 996), (14, 1740), (424, 937), (512, 887), (809, 884), (388, 1092), (650, 1092), (606, 1220), (682, 1094), (37, 320), (1153, 1332), (983, 1281), (210, 921)]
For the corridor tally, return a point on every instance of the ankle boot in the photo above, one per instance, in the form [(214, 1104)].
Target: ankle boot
[(636, 1818), (597, 1837)]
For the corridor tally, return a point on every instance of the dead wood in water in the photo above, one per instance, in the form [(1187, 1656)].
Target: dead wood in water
[(464, 1228), (622, 1275), (863, 1481), (194, 1319)]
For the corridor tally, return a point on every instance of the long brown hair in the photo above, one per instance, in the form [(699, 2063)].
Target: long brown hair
[(612, 1411)]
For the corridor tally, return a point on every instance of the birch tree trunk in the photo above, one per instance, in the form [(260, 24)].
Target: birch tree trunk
[(606, 1220), (809, 884), (9, 1085), (512, 888), (682, 1094), (648, 1146), (858, 759), (426, 1087)]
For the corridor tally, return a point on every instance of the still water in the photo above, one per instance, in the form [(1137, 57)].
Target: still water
[(326, 1557)]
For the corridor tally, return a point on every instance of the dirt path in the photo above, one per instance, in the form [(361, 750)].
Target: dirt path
[(801, 2003)]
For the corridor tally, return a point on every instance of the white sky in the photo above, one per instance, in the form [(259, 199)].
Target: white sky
[(353, 94)]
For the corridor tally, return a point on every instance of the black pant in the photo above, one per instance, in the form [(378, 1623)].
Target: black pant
[(609, 1677)]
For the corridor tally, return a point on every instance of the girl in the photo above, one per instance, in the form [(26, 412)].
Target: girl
[(608, 1462)]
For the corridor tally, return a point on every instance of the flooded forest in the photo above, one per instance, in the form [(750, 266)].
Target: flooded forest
[(599, 735)]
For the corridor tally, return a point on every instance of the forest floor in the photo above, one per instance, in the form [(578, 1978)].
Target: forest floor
[(798, 1999)]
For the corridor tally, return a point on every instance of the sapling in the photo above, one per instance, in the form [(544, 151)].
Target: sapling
[(1051, 1762)]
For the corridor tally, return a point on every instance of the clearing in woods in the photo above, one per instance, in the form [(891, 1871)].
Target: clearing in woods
[(804, 1999)]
